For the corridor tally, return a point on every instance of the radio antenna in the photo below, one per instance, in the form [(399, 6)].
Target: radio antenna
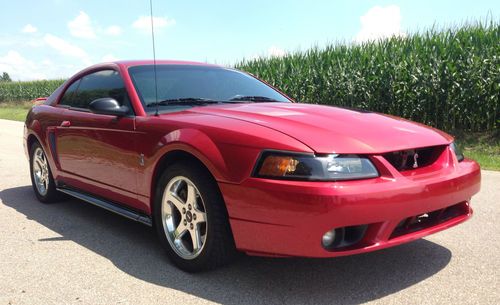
[(154, 54)]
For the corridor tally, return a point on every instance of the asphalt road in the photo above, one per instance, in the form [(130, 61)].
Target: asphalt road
[(74, 253)]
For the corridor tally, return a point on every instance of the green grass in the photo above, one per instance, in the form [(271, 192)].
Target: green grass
[(483, 147), (15, 111)]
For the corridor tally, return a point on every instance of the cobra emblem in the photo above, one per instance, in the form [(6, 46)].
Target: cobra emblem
[(415, 163)]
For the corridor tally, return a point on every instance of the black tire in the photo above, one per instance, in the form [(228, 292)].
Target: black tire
[(51, 195), (218, 248)]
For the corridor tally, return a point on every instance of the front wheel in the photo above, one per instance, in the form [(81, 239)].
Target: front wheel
[(191, 219)]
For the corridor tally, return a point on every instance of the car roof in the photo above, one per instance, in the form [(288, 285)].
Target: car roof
[(131, 63)]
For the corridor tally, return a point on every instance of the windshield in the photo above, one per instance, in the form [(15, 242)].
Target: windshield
[(187, 83)]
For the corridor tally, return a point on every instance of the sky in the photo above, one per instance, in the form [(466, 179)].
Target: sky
[(56, 38)]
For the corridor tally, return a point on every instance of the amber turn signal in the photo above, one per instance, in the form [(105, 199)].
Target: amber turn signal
[(278, 166)]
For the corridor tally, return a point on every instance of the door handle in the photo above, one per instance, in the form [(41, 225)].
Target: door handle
[(65, 124)]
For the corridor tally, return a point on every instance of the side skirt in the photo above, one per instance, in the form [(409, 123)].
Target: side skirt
[(110, 206)]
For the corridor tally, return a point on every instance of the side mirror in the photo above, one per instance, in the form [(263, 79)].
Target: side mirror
[(108, 106)]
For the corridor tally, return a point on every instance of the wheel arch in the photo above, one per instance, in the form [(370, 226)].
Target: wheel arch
[(32, 132), (31, 139), (171, 157)]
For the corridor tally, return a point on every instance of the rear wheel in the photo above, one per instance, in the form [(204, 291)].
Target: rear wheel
[(41, 176), (191, 219)]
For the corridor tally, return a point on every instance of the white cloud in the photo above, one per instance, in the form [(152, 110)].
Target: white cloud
[(108, 58), (29, 29), (113, 30), (20, 68), (143, 23), (67, 49), (47, 62), (379, 23), (81, 26)]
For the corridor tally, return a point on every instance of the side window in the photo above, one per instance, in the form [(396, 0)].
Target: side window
[(106, 83), (70, 92)]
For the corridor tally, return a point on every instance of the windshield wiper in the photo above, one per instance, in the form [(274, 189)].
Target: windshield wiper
[(254, 98), (189, 101), (195, 101)]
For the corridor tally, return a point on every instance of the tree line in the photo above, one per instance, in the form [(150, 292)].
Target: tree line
[(5, 77)]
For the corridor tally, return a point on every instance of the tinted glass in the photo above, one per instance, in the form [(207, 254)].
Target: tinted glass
[(106, 83), (67, 97), (181, 81)]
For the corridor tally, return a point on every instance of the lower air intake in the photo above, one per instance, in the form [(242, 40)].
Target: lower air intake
[(427, 220)]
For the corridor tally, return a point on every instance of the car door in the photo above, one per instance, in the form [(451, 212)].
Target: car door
[(97, 153)]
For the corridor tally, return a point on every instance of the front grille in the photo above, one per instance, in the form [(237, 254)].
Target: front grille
[(430, 219), (414, 158)]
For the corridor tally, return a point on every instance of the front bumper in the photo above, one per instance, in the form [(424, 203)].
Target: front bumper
[(289, 218)]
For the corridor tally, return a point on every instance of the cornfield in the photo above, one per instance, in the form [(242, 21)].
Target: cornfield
[(449, 78), (26, 91)]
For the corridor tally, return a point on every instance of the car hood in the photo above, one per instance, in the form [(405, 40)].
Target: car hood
[(327, 129)]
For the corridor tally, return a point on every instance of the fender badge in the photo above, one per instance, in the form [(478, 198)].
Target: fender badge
[(141, 159)]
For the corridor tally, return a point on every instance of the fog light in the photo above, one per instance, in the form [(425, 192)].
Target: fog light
[(328, 239), (344, 237)]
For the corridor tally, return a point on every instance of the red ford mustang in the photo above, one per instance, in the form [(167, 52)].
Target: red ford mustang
[(218, 161)]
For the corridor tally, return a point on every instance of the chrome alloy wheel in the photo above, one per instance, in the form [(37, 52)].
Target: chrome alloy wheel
[(40, 171), (184, 217)]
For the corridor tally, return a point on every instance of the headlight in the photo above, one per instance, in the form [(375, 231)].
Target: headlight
[(457, 151), (296, 166)]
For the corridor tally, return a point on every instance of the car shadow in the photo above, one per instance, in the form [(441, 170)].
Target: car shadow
[(134, 249)]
